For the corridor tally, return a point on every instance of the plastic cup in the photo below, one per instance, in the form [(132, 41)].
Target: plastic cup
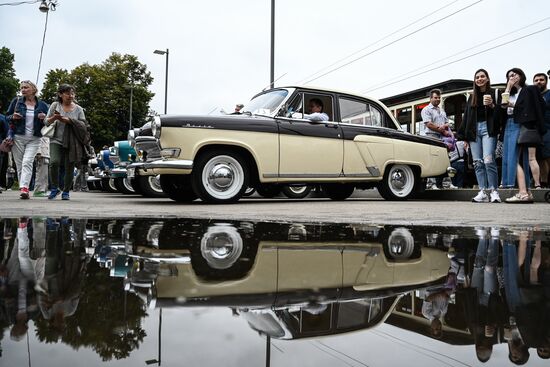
[(505, 97)]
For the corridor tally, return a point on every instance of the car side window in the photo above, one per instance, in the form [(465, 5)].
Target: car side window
[(361, 113), (296, 106)]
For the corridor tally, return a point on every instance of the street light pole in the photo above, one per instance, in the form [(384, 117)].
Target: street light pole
[(131, 105), (167, 52), (272, 69)]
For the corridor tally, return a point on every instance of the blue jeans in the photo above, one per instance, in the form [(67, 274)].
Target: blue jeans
[(483, 155), (510, 151), (458, 179)]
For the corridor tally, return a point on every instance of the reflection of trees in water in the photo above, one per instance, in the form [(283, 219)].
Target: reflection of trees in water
[(105, 321)]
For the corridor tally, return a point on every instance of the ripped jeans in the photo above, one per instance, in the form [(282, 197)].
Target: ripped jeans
[(483, 155)]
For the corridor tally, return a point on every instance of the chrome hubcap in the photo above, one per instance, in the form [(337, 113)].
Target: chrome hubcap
[(398, 179), (221, 177)]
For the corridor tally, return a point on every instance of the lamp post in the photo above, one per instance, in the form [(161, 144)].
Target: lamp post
[(272, 56), (131, 87), (160, 52)]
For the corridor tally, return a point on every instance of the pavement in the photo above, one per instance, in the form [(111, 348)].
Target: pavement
[(437, 207)]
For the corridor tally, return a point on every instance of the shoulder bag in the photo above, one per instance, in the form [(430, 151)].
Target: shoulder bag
[(529, 137), (48, 131)]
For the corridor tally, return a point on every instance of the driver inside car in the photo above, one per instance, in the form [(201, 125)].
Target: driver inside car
[(316, 111)]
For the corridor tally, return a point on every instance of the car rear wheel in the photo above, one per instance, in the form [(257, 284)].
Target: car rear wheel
[(268, 190), (220, 176), (398, 183), (150, 187), (124, 186), (296, 192), (178, 188), (338, 191)]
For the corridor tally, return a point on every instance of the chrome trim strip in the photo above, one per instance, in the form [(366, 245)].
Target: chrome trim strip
[(366, 175), (374, 171), (308, 175), (177, 164)]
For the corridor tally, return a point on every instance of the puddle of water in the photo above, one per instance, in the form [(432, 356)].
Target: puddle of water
[(153, 292)]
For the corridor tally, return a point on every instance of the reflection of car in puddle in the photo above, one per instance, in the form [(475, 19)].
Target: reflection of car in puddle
[(290, 280)]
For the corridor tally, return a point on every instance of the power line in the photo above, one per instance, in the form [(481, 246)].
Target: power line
[(397, 40), (42, 48), (20, 3), (382, 84), (377, 41), (463, 58)]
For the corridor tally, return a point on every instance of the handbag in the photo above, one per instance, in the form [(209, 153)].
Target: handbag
[(48, 131), (6, 145), (530, 137)]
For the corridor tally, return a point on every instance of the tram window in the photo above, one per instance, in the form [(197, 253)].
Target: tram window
[(418, 117), (404, 116)]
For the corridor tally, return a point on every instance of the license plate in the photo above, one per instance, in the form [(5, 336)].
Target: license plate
[(130, 173)]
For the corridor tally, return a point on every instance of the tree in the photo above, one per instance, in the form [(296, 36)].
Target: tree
[(9, 84), (104, 92)]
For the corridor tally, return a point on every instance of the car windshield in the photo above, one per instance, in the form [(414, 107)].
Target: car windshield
[(266, 103)]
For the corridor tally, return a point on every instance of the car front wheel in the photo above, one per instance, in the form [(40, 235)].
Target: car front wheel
[(220, 177), (398, 183), (149, 186), (177, 187)]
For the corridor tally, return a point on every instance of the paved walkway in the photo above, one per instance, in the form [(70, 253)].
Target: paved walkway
[(364, 207)]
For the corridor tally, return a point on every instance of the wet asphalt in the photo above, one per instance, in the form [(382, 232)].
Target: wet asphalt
[(442, 208)]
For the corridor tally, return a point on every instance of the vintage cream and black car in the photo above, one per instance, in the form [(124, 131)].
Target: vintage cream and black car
[(216, 158)]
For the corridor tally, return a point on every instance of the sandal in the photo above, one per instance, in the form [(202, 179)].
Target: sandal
[(520, 199)]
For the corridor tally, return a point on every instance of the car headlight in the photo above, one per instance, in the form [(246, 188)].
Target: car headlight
[(155, 127)]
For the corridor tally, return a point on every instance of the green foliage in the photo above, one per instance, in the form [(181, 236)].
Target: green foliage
[(9, 85), (103, 91)]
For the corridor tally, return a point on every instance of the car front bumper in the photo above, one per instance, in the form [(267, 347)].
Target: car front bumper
[(159, 167)]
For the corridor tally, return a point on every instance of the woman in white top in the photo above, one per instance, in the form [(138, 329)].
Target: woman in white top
[(26, 118)]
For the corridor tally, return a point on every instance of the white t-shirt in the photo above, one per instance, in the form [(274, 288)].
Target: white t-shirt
[(29, 122)]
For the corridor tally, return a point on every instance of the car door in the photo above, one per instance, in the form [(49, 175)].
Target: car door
[(309, 149), (368, 143)]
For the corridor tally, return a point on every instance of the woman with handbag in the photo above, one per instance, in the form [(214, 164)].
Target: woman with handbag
[(26, 118), (480, 128), (523, 133), (68, 139)]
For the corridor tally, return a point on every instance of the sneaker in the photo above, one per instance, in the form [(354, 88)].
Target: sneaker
[(24, 193), (495, 197), (65, 196), (519, 199), (435, 187), (39, 194), (481, 197), (53, 194), (451, 186)]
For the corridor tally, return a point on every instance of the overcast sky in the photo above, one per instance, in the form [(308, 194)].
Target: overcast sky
[(220, 50)]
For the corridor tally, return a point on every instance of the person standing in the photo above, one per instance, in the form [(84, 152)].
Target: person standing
[(70, 137), (527, 111), (436, 124), (480, 127), (26, 116), (4, 127), (541, 81), (42, 161)]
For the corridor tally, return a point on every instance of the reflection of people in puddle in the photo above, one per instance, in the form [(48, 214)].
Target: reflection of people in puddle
[(485, 309), (525, 295), (22, 272), (436, 300), (60, 290)]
